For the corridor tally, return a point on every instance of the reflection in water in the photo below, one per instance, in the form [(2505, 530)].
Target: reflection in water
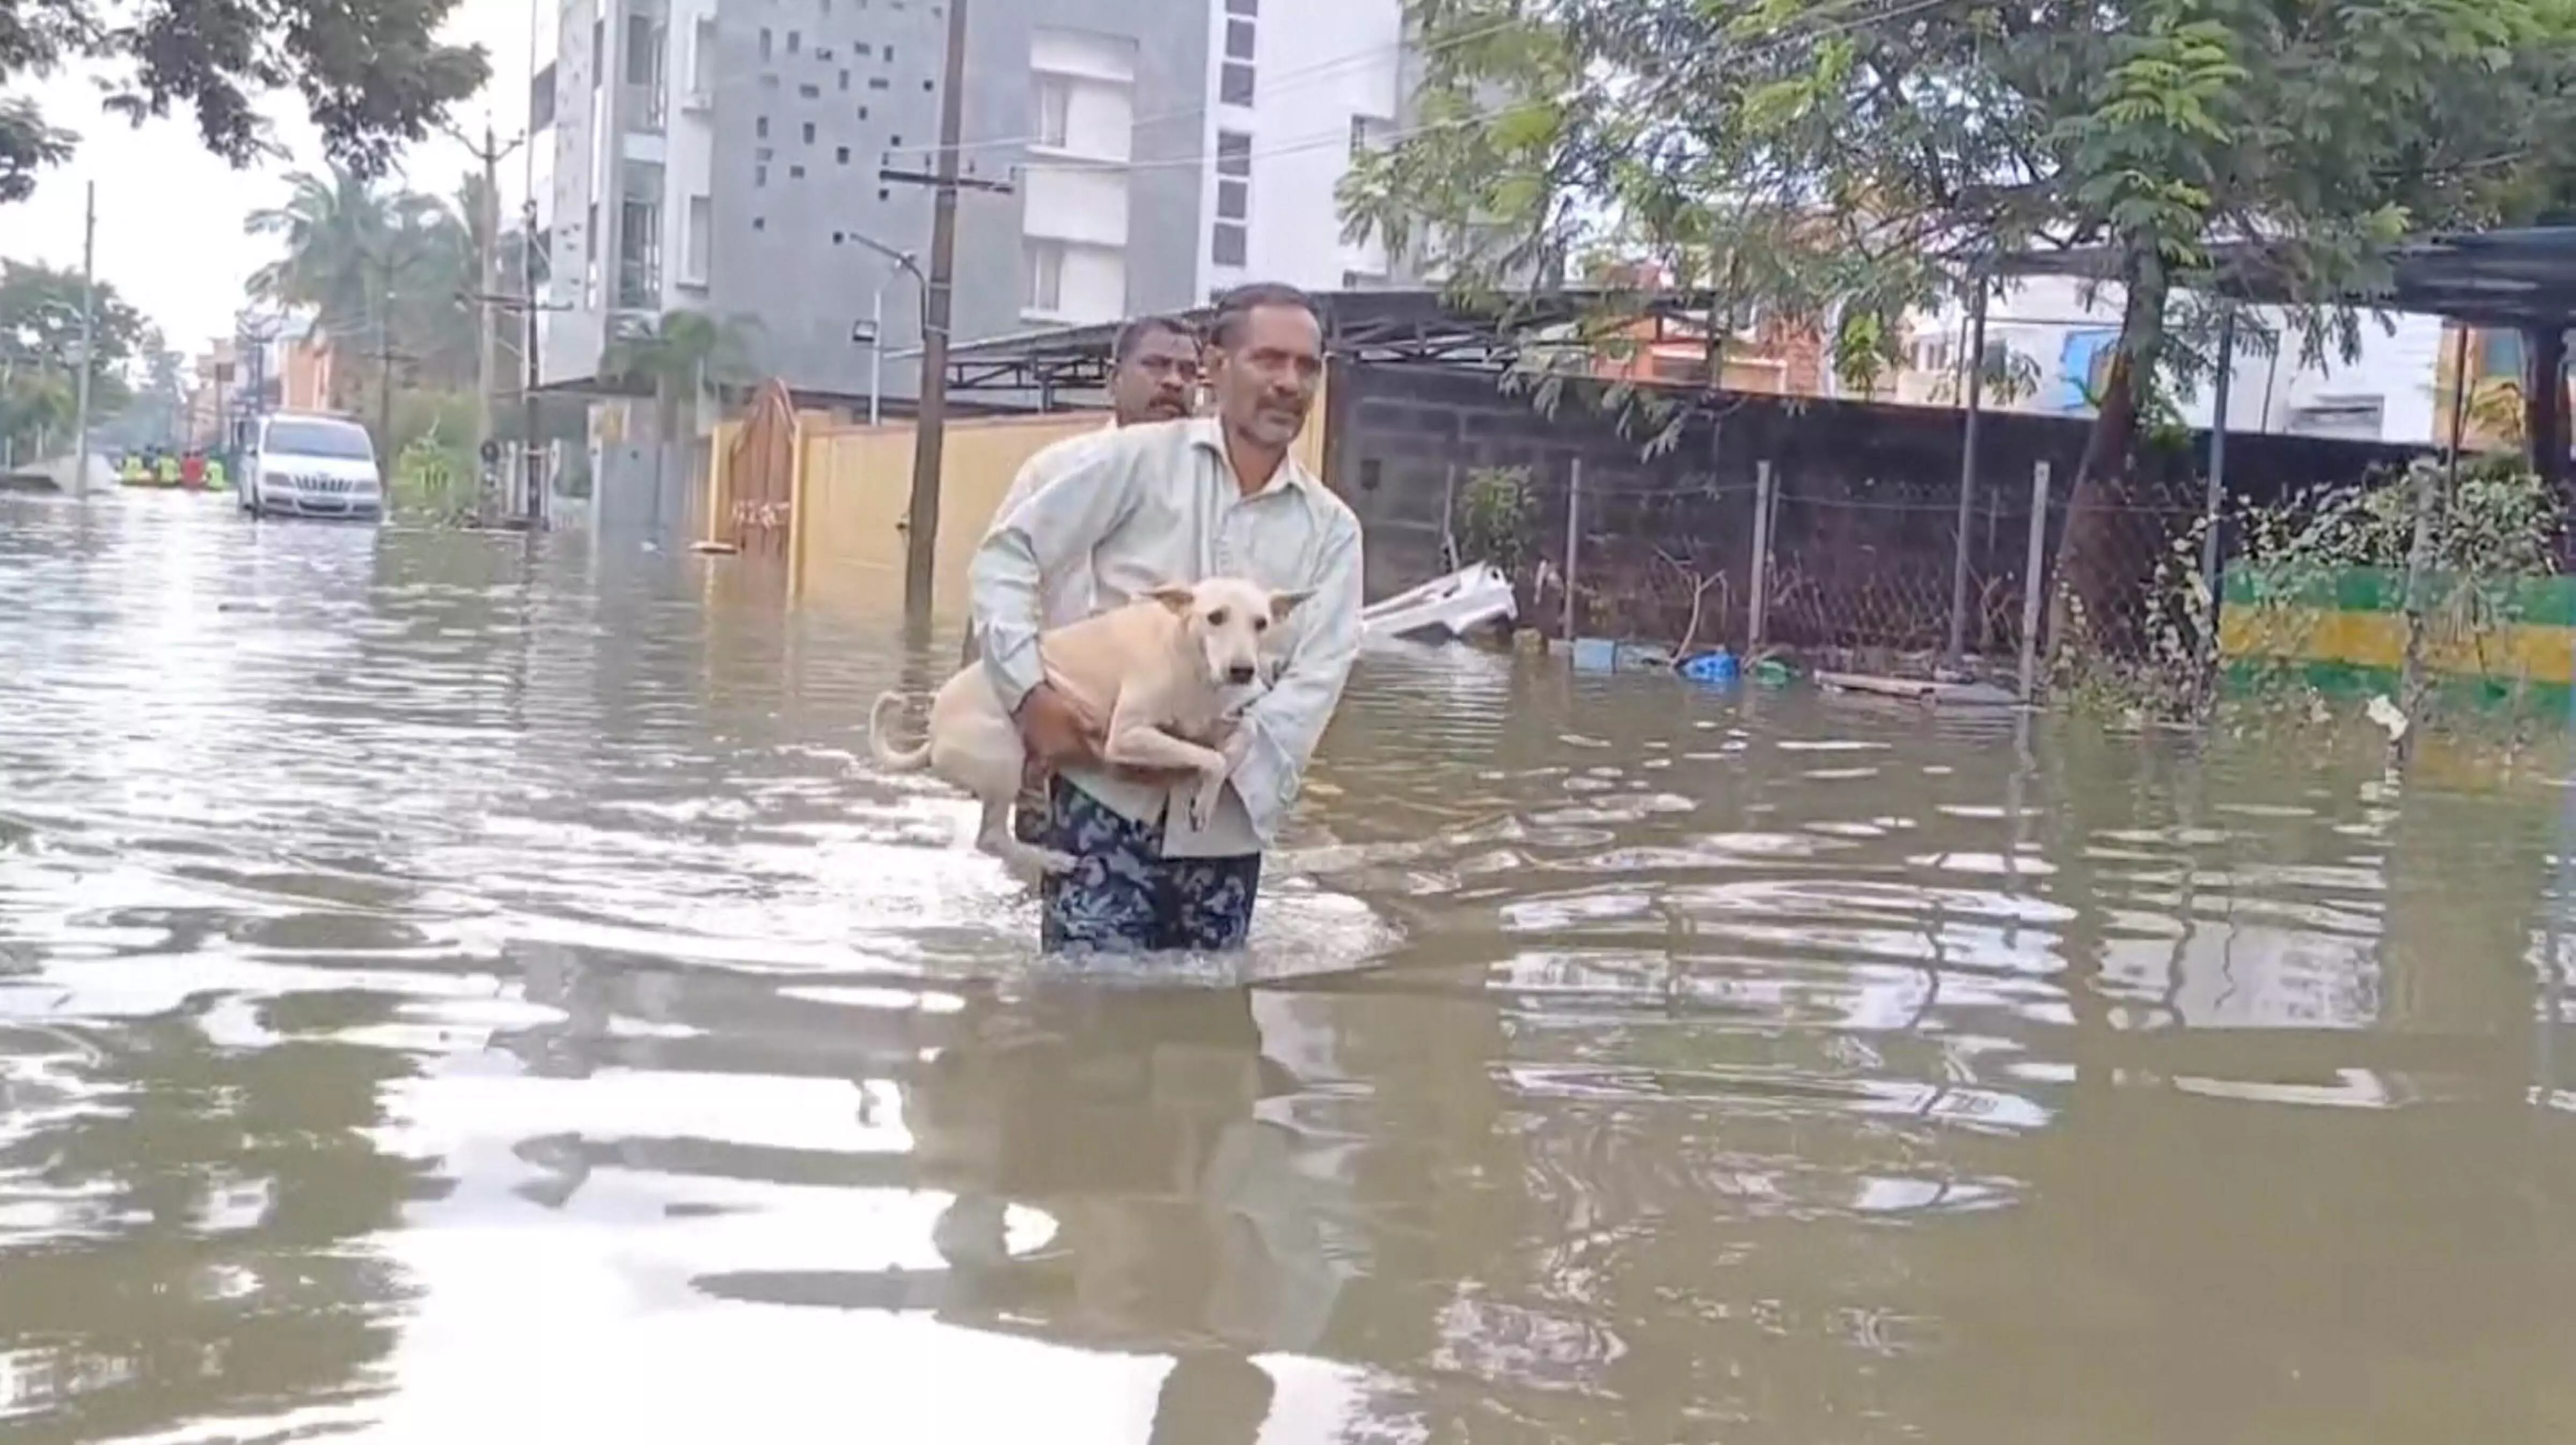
[(453, 985)]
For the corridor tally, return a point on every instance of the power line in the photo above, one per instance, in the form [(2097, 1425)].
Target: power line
[(1771, 43), (1294, 79)]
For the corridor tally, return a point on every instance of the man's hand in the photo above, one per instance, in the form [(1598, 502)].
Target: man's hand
[(1058, 731)]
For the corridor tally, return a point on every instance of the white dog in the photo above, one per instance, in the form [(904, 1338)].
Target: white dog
[(1159, 669)]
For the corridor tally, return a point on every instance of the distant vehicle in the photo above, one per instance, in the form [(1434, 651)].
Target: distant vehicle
[(304, 464)]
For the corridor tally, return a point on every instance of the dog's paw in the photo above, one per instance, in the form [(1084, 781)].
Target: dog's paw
[(1056, 864), (1203, 803)]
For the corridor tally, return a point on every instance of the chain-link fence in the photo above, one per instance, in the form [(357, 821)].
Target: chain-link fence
[(1830, 528)]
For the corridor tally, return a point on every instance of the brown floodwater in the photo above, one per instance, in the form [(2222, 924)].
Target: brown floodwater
[(453, 988)]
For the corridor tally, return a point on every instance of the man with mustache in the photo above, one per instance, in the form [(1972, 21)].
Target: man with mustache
[(1178, 502)]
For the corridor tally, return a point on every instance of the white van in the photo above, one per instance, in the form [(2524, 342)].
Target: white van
[(309, 465)]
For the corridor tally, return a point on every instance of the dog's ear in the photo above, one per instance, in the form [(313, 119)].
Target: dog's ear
[(1175, 596), (1283, 603)]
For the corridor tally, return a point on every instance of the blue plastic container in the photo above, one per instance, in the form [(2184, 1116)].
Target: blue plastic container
[(1717, 667)]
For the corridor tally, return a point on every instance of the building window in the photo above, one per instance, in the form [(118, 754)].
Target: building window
[(760, 128), (702, 58), (810, 91), (643, 51), (1233, 199), (639, 255), (1054, 103), (841, 154), (760, 175), (2500, 353), (845, 80), (1234, 84), (1232, 245), (793, 40), (760, 223), (1365, 133), (701, 238), (809, 132), (1044, 290), (1243, 7), (764, 42), (877, 82), (1238, 40), (1233, 153), (541, 99), (598, 53)]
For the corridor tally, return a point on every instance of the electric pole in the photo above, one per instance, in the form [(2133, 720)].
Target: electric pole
[(385, 372), (930, 426), (532, 486), (88, 338), (487, 244)]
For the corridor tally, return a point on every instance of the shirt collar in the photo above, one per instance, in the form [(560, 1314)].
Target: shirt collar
[(1208, 434)]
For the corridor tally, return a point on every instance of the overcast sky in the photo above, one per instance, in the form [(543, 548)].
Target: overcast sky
[(170, 215)]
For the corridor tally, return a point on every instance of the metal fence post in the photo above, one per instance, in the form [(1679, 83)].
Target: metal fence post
[(1760, 603), (1976, 369), (1449, 519), (1573, 539), (2032, 580)]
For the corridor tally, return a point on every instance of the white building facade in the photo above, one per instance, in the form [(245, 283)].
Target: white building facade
[(2059, 336)]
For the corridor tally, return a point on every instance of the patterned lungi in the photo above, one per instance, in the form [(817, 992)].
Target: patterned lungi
[(1124, 896)]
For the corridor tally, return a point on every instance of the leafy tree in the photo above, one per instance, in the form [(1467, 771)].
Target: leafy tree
[(1844, 163), (373, 73), (381, 268), (40, 328), (679, 357)]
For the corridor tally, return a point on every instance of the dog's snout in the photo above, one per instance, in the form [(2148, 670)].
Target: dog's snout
[(1239, 673)]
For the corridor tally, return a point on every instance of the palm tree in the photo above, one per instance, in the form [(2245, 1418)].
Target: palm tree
[(678, 356), (377, 265)]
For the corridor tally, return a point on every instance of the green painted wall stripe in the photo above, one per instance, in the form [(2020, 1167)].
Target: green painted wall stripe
[(2353, 681), (2546, 601)]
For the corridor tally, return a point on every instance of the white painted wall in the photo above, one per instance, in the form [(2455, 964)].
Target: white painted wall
[(1317, 63), (688, 153), (2033, 319), (1082, 205), (570, 344)]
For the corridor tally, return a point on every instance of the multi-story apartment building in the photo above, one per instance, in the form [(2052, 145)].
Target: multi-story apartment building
[(729, 156)]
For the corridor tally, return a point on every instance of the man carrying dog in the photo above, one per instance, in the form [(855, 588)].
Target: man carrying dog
[(1154, 376), (1180, 501)]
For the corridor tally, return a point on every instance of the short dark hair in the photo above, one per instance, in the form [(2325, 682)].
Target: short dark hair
[(1236, 307), (1134, 333)]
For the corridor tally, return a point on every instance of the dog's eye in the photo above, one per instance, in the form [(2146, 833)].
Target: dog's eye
[(1217, 618), (1261, 624)]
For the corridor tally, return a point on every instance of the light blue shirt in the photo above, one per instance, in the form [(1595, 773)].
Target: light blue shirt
[(1158, 503)]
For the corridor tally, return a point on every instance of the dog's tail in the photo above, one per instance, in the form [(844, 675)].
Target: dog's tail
[(890, 757)]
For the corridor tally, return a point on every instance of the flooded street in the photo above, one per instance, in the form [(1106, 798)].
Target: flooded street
[(455, 989)]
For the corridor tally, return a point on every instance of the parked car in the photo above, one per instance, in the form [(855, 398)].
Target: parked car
[(309, 465)]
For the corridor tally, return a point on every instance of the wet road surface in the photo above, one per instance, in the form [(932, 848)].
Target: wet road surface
[(450, 989)]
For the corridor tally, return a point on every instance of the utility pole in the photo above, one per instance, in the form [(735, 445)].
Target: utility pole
[(385, 371), (930, 428), (532, 501), (88, 338), (487, 244)]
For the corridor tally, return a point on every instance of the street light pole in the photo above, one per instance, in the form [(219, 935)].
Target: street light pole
[(905, 263)]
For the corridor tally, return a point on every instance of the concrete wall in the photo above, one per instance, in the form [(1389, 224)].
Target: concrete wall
[(785, 206), (858, 485), (1864, 527)]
